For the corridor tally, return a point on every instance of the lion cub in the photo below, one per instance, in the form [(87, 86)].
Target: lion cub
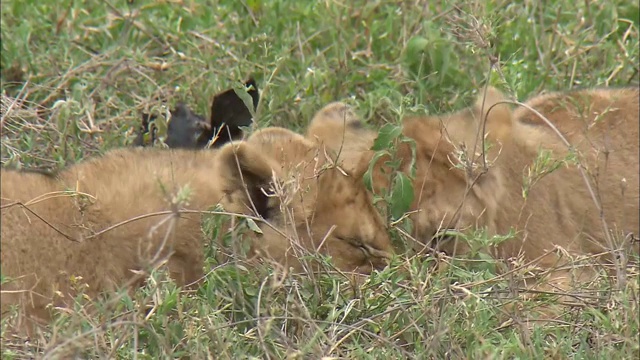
[(527, 180), (102, 220)]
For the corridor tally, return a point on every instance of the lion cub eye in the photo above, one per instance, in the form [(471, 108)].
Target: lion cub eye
[(357, 244), (368, 250)]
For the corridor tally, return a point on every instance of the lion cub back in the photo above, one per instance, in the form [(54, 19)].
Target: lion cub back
[(601, 117), (601, 126)]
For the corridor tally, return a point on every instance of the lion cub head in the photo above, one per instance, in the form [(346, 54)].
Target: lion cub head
[(449, 168), (454, 154), (309, 203)]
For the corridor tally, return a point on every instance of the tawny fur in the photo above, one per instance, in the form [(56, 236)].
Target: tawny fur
[(320, 199), (338, 128), (602, 124), (94, 221)]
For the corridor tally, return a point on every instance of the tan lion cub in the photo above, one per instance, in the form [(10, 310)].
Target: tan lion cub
[(99, 221), (530, 183)]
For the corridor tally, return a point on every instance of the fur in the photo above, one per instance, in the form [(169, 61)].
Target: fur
[(452, 193), (93, 221)]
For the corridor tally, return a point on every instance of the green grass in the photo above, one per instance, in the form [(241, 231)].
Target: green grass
[(77, 75)]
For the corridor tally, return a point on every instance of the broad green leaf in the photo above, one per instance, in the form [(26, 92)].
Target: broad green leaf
[(253, 226), (402, 195), (412, 161), (368, 177), (243, 94), (386, 135)]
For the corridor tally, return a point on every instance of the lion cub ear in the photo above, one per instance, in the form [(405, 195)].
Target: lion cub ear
[(241, 164), (493, 107), (289, 148), (330, 123), (337, 114)]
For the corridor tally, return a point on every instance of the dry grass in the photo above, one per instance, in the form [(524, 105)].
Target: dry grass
[(75, 78)]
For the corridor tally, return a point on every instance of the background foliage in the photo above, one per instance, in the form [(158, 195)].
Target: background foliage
[(76, 76)]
